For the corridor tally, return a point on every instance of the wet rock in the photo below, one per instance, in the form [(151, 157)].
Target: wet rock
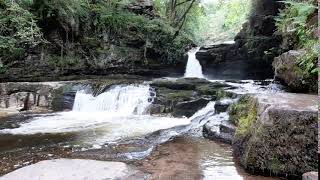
[(183, 97), (188, 108), (157, 109), (277, 133), (222, 105), (289, 73), (75, 169), (310, 176), (221, 131)]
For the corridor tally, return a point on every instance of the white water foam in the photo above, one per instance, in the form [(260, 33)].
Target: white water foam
[(124, 100), (193, 69), (116, 114)]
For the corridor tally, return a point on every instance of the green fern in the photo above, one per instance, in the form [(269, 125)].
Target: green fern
[(293, 18)]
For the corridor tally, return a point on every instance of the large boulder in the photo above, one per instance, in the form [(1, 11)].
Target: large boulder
[(289, 73), (276, 133)]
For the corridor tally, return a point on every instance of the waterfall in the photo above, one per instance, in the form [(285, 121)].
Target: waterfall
[(124, 100), (193, 68)]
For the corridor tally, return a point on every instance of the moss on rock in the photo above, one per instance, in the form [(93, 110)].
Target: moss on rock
[(276, 134)]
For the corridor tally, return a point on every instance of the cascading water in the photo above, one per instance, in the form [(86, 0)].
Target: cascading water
[(124, 100), (193, 68), (119, 113)]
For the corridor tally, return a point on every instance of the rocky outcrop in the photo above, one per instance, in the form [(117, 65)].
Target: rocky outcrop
[(184, 97), (277, 133), (251, 56), (289, 73), (222, 61), (27, 96)]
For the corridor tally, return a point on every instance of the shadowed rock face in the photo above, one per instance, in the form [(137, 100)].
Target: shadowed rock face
[(277, 133)]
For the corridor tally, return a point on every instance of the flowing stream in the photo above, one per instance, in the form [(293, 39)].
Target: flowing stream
[(119, 113), (116, 125)]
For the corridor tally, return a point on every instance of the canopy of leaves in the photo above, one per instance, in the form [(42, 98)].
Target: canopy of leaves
[(18, 30), (208, 21)]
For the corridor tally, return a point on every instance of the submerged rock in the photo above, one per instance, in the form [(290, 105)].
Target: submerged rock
[(276, 133), (75, 169)]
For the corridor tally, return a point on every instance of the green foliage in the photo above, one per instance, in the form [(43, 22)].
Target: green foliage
[(18, 30), (207, 21), (82, 25), (63, 61), (294, 18), (66, 12)]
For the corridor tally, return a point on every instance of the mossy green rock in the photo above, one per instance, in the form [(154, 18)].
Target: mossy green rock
[(276, 133)]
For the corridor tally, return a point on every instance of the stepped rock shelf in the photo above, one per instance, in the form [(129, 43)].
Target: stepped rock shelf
[(76, 169)]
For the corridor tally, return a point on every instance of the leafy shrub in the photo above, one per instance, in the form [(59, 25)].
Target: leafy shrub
[(18, 30), (62, 28)]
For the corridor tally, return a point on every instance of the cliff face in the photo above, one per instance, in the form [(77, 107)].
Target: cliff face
[(129, 40)]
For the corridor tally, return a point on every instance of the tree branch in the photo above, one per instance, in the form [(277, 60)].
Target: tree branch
[(183, 19)]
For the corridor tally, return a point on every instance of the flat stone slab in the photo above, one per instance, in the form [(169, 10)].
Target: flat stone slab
[(75, 169), (290, 101)]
